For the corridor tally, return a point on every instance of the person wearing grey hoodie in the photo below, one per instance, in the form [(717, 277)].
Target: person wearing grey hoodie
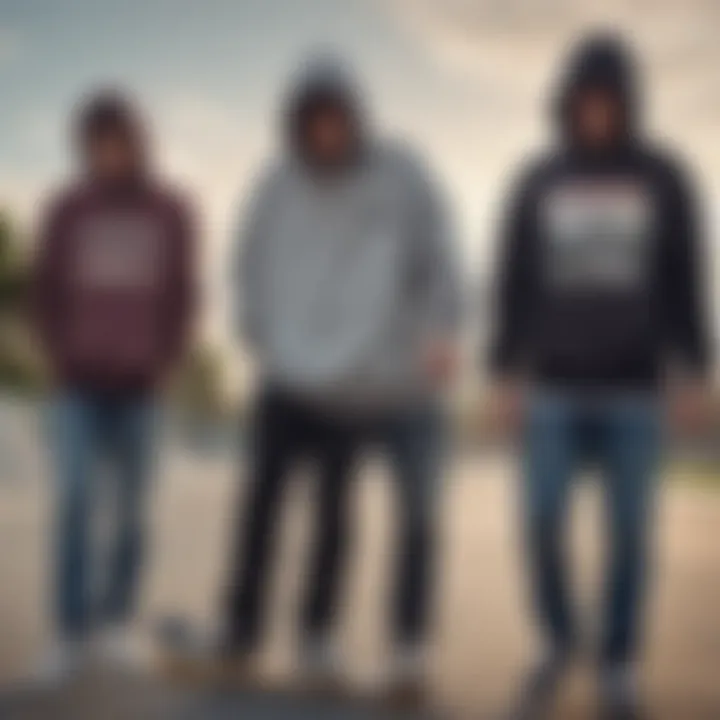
[(347, 294)]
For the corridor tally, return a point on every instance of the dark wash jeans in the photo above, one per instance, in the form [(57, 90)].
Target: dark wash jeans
[(102, 449), (621, 436), (287, 430)]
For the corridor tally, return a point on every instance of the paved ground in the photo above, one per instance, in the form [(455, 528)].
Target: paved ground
[(484, 636), (113, 697)]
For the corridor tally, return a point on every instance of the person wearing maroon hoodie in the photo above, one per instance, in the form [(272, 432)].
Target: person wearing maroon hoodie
[(113, 302)]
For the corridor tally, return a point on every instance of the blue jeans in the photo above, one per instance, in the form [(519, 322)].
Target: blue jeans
[(111, 434), (622, 437)]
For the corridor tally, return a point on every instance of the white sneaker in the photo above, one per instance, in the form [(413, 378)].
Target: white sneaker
[(119, 647), (63, 661)]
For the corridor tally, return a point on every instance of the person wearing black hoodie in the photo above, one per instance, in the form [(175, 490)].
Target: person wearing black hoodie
[(600, 304)]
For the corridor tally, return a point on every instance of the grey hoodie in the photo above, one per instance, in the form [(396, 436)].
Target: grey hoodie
[(342, 280)]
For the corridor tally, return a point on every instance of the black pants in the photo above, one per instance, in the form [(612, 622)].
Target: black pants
[(287, 430)]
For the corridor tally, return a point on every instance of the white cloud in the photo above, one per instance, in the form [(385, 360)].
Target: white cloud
[(515, 47), (212, 152), (517, 44), (505, 53)]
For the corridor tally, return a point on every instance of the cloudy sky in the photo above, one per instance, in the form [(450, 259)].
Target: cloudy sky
[(467, 80)]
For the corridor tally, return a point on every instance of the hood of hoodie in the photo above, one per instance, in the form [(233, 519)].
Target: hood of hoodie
[(322, 81), (600, 62), (112, 112)]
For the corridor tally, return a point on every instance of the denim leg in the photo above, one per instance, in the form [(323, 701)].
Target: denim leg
[(130, 442), (551, 457), (632, 440), (415, 445), (74, 428)]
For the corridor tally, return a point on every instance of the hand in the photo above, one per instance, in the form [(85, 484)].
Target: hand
[(507, 406), (690, 407), (441, 361)]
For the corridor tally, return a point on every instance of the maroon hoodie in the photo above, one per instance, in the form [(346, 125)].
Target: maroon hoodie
[(114, 285)]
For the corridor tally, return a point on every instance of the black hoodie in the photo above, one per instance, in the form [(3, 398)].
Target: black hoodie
[(600, 271)]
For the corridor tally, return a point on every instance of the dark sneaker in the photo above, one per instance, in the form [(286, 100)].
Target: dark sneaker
[(539, 690), (619, 694), (193, 655), (406, 694), (404, 685), (321, 668)]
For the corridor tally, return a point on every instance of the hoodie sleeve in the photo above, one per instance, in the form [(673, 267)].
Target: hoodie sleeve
[(515, 280), (687, 334), (47, 300), (437, 256), (184, 288), (247, 263)]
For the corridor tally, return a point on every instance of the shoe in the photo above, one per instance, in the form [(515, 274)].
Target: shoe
[(192, 654), (405, 685), (540, 688), (619, 694), (236, 663), (118, 647), (321, 667), (61, 663)]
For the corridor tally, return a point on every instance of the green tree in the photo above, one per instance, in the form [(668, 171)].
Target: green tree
[(197, 390), (14, 270), (20, 366), (198, 386)]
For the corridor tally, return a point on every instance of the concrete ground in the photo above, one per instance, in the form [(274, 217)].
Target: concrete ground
[(484, 633)]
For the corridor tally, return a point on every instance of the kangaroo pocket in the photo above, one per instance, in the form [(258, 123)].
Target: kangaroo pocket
[(114, 339), (598, 339)]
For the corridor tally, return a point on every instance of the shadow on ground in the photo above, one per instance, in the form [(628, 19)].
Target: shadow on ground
[(115, 697)]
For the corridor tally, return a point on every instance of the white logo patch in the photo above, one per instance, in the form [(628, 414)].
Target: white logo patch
[(597, 235)]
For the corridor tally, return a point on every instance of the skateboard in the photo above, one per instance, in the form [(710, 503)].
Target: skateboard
[(188, 656)]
